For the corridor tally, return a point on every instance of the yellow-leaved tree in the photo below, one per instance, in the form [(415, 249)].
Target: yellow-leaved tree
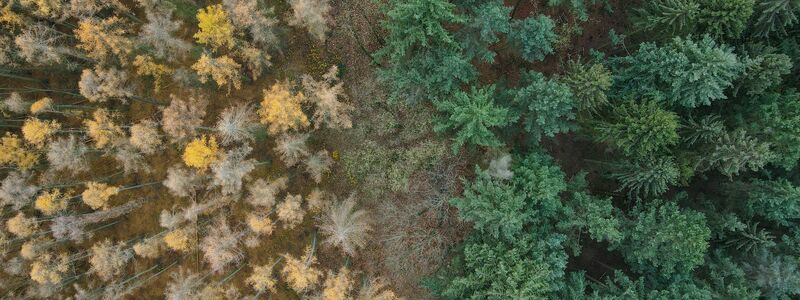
[(300, 272), (146, 66), (223, 70), (36, 132), (103, 39), (201, 152), (103, 130), (14, 152), (281, 109), (97, 194), (215, 28), (51, 202)]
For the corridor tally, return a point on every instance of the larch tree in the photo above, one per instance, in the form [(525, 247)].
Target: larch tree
[(50, 269), (259, 223), (14, 103), (300, 272), (325, 95), (146, 66), (345, 227), (281, 109), (261, 279), (264, 193), (13, 151), (201, 153), (311, 14), (232, 169), (223, 70), (22, 226), (38, 132), (182, 182), (337, 286), (182, 117), (102, 84), (145, 137), (237, 124), (86, 8), (216, 29), (290, 211), (376, 289), (254, 59), (96, 195), (318, 164), (109, 259), (159, 33), (52, 202), (221, 246), (292, 147), (15, 191), (103, 130), (105, 39)]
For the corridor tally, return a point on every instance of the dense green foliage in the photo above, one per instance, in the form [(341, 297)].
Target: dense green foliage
[(546, 105), (678, 140), (683, 72), (533, 37), (473, 116)]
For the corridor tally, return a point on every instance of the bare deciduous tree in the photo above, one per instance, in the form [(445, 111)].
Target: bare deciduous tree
[(72, 227), (376, 289), (102, 84), (264, 194), (159, 32), (317, 164), (109, 259), (221, 245), (237, 124), (16, 191), (290, 211), (232, 169), (181, 181), (181, 118), (292, 147), (131, 159), (311, 14), (246, 15), (41, 45), (325, 95), (145, 136), (344, 227), (68, 153), (15, 104), (184, 285)]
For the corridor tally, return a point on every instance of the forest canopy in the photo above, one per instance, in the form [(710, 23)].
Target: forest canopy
[(399, 149)]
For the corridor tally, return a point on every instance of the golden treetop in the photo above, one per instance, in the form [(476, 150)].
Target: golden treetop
[(102, 38), (201, 152), (223, 70), (281, 110), (146, 66), (51, 202), (178, 240), (215, 28), (259, 223), (13, 151), (261, 279), (300, 273), (97, 194), (36, 131), (42, 105), (21, 226), (103, 130)]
